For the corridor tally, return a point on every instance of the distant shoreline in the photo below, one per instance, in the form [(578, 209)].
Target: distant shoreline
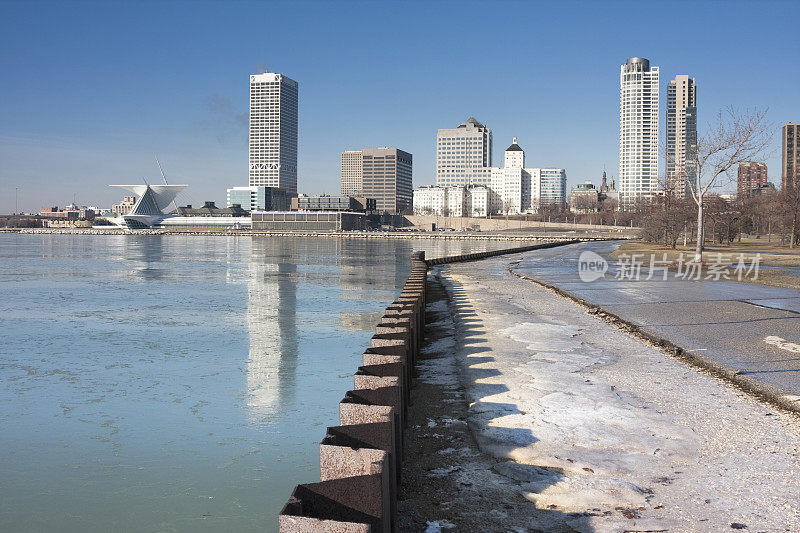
[(408, 235)]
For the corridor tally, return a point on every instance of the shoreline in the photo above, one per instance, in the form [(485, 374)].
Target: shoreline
[(549, 236)]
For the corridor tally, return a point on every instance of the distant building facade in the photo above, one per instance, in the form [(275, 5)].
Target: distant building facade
[(751, 180), (124, 207), (464, 155), (357, 204), (584, 198), (638, 130), (210, 209), (790, 152), (273, 131), (452, 201), (516, 189), (351, 173), (259, 198), (681, 136), (302, 221), (386, 176)]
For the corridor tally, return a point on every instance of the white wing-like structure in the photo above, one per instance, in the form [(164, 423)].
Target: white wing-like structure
[(151, 206)]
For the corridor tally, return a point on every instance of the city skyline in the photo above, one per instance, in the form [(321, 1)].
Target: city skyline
[(199, 133)]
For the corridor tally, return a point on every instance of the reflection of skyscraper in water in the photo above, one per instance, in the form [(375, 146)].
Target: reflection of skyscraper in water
[(364, 268), (272, 327)]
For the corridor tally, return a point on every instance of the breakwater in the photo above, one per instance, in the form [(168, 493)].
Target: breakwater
[(360, 459)]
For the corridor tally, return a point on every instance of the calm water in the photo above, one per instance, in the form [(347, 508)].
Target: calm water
[(169, 383)]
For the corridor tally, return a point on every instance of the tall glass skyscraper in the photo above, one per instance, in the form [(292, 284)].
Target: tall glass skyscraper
[(638, 130), (273, 131), (681, 135)]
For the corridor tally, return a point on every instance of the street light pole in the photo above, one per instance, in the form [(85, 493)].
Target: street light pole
[(16, 200)]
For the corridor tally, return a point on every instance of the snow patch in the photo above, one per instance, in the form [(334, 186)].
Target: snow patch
[(438, 525)]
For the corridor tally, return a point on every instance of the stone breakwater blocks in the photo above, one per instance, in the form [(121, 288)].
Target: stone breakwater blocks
[(402, 320), (379, 355), (384, 375), (397, 339), (347, 505), (374, 405), (352, 451)]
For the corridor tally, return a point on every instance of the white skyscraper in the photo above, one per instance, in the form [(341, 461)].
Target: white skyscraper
[(638, 130), (464, 155), (273, 131)]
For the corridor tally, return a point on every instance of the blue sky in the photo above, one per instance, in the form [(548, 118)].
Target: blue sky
[(90, 91)]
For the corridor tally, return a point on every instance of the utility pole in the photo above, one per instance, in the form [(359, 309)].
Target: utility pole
[(16, 200)]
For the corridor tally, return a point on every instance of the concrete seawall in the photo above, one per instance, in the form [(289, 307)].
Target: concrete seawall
[(360, 459)]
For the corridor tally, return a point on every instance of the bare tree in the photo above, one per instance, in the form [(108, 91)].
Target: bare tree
[(790, 209), (734, 138)]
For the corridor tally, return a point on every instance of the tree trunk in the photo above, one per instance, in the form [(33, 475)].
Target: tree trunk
[(794, 230), (698, 251)]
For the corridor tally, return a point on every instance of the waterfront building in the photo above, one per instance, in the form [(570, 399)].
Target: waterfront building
[(386, 177), (790, 152), (464, 155), (273, 132), (478, 196), (430, 200), (584, 198), (308, 221), (681, 136), (751, 179), (358, 204), (457, 202), (210, 209), (552, 187), (259, 198), (638, 130), (452, 201), (351, 173)]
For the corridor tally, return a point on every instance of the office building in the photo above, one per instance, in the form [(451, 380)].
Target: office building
[(790, 152), (259, 198), (638, 130), (351, 176), (751, 180), (383, 174), (681, 136), (464, 155), (273, 132), (308, 221)]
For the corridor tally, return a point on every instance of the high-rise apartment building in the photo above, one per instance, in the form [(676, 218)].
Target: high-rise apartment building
[(352, 184), (790, 150), (273, 132), (681, 135), (464, 155), (638, 130), (380, 173), (751, 179)]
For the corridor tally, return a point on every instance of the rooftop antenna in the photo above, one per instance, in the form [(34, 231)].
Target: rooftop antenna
[(165, 180)]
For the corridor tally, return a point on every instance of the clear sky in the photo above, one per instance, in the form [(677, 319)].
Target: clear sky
[(91, 91)]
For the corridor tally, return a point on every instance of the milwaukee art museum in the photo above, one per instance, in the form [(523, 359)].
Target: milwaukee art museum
[(152, 211)]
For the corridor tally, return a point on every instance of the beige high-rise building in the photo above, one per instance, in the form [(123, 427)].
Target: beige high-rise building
[(464, 155), (681, 135), (383, 174), (352, 184), (790, 150)]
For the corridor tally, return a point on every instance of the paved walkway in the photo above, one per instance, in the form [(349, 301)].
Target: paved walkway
[(752, 329), (599, 431)]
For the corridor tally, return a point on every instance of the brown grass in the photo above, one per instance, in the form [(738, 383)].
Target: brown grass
[(772, 255)]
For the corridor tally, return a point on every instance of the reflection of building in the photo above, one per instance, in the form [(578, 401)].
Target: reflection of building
[(790, 152), (681, 135), (260, 198), (638, 130), (273, 131), (751, 179), (464, 155), (384, 174), (272, 328)]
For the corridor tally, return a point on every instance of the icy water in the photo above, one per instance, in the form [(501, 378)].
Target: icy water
[(178, 383)]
